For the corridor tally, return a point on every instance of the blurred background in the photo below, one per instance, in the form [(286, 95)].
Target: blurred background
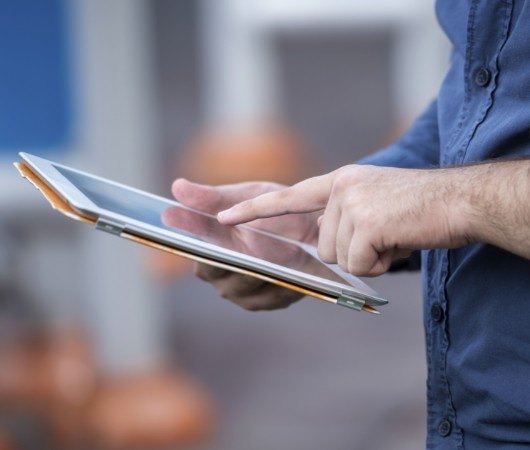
[(104, 344)]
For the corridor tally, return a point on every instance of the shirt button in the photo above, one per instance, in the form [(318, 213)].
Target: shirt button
[(482, 77), (437, 313), (444, 428)]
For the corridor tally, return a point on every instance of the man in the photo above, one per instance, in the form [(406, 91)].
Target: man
[(470, 220)]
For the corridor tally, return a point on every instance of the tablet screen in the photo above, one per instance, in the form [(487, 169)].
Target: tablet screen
[(172, 216)]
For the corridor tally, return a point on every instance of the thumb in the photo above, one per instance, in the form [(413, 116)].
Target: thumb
[(197, 196), (212, 199)]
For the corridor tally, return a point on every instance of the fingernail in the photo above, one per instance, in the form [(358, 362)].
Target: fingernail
[(223, 215)]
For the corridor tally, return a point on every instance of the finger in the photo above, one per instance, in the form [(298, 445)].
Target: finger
[(307, 196), (343, 238), (383, 264), (212, 199), (197, 196), (364, 259), (319, 220), (268, 297), (236, 286), (327, 234), (209, 273)]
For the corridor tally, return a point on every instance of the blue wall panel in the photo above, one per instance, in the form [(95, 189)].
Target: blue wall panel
[(35, 97)]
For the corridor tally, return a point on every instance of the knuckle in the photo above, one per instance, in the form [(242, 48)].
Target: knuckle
[(344, 170), (340, 185), (367, 220), (284, 197), (345, 177), (351, 203)]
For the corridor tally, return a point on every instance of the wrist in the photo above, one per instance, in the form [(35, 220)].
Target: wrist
[(481, 200), (465, 212)]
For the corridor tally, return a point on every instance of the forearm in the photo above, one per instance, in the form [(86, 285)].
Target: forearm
[(495, 204)]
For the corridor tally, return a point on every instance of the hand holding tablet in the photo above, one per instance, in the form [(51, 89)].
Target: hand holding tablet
[(247, 292)]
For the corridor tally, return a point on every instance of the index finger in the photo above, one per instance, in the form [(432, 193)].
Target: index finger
[(307, 196)]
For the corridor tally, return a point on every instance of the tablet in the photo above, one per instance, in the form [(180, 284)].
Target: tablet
[(169, 225)]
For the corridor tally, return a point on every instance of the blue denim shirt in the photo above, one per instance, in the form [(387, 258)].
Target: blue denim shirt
[(476, 298)]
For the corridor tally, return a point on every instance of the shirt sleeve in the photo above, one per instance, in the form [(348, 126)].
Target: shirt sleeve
[(419, 147)]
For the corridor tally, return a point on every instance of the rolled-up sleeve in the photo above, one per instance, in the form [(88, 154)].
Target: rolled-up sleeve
[(419, 147)]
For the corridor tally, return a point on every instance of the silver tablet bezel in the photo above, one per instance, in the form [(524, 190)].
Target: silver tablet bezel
[(47, 171)]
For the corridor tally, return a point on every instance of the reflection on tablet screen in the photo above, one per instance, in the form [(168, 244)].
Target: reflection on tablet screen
[(169, 215)]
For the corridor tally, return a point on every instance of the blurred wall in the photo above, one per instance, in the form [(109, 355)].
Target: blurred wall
[(310, 377)]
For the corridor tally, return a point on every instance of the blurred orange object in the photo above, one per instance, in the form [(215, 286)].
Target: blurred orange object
[(55, 379), (52, 377), (221, 156), (158, 409), (271, 153), (5, 443), (40, 370)]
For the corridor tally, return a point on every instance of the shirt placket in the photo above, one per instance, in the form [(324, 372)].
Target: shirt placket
[(480, 74), (442, 429)]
